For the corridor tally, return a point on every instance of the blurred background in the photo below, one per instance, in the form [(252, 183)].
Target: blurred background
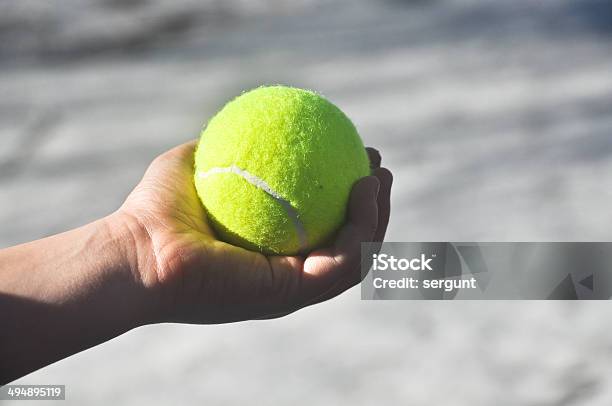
[(495, 117)]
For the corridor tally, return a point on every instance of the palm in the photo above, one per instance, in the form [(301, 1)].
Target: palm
[(205, 280)]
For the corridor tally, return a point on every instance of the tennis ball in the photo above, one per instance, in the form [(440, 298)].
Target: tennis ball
[(275, 167)]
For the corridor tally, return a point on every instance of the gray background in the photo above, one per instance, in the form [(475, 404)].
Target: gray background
[(495, 118)]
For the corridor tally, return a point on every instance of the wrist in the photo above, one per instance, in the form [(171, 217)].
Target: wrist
[(134, 245)]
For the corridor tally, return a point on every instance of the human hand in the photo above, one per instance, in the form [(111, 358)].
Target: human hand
[(192, 277), (157, 260)]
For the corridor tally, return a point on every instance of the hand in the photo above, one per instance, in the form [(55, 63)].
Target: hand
[(193, 277), (156, 260)]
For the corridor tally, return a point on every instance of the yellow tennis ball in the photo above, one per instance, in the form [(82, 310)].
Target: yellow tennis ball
[(275, 167)]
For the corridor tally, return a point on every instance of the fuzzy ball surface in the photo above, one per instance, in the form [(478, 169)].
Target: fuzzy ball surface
[(275, 167)]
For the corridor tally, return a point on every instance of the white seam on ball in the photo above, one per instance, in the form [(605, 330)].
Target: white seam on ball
[(261, 184)]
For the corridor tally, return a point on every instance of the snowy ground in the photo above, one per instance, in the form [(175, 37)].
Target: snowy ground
[(495, 117)]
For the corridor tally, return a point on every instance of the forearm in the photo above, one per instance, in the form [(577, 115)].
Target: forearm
[(65, 293)]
